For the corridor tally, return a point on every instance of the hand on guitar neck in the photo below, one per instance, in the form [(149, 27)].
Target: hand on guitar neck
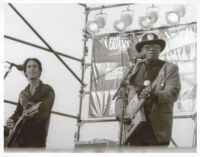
[(145, 93), (31, 111)]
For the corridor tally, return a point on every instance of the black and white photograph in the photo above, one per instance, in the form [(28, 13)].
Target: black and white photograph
[(94, 77)]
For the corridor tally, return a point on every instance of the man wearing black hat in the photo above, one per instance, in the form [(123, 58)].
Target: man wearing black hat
[(159, 99)]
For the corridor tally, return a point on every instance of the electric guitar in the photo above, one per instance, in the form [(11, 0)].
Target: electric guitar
[(135, 112)]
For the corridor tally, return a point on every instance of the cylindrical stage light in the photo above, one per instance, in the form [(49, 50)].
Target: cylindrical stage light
[(145, 22), (173, 17), (150, 18), (153, 15), (119, 25), (125, 21), (101, 22), (92, 27)]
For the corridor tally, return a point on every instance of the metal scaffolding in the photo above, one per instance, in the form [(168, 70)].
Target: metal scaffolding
[(81, 80)]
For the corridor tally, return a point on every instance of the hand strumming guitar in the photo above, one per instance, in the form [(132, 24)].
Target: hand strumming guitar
[(146, 92), (149, 93), (27, 113), (31, 111)]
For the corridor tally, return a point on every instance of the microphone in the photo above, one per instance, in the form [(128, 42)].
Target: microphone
[(135, 58), (20, 67), (141, 56)]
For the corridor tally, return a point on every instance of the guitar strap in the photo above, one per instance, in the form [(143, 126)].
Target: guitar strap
[(158, 73), (152, 74)]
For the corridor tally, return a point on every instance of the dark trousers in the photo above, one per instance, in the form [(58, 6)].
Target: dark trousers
[(27, 143), (145, 137)]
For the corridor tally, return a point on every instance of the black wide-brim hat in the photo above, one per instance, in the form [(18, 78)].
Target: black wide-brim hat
[(150, 38)]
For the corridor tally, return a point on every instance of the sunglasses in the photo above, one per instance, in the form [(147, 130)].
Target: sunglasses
[(153, 46)]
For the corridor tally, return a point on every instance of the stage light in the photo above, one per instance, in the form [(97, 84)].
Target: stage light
[(125, 20), (150, 18), (119, 25), (153, 15), (145, 22), (101, 21), (94, 27), (173, 17)]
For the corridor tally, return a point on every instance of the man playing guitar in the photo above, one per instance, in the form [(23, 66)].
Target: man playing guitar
[(30, 121), (158, 98)]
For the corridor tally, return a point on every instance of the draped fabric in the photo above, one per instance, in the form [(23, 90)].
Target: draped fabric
[(111, 61), (181, 50)]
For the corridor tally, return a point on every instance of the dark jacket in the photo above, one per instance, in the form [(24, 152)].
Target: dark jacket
[(161, 113), (35, 128)]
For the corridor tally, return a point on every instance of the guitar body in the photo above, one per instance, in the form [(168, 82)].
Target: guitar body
[(14, 132), (135, 112)]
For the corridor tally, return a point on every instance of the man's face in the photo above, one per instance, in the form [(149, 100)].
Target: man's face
[(32, 70), (151, 51)]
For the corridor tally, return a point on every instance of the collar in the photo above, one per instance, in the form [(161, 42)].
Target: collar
[(27, 89)]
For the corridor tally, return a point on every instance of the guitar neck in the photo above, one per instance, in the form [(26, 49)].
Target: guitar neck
[(19, 120), (141, 101), (140, 104), (16, 124)]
